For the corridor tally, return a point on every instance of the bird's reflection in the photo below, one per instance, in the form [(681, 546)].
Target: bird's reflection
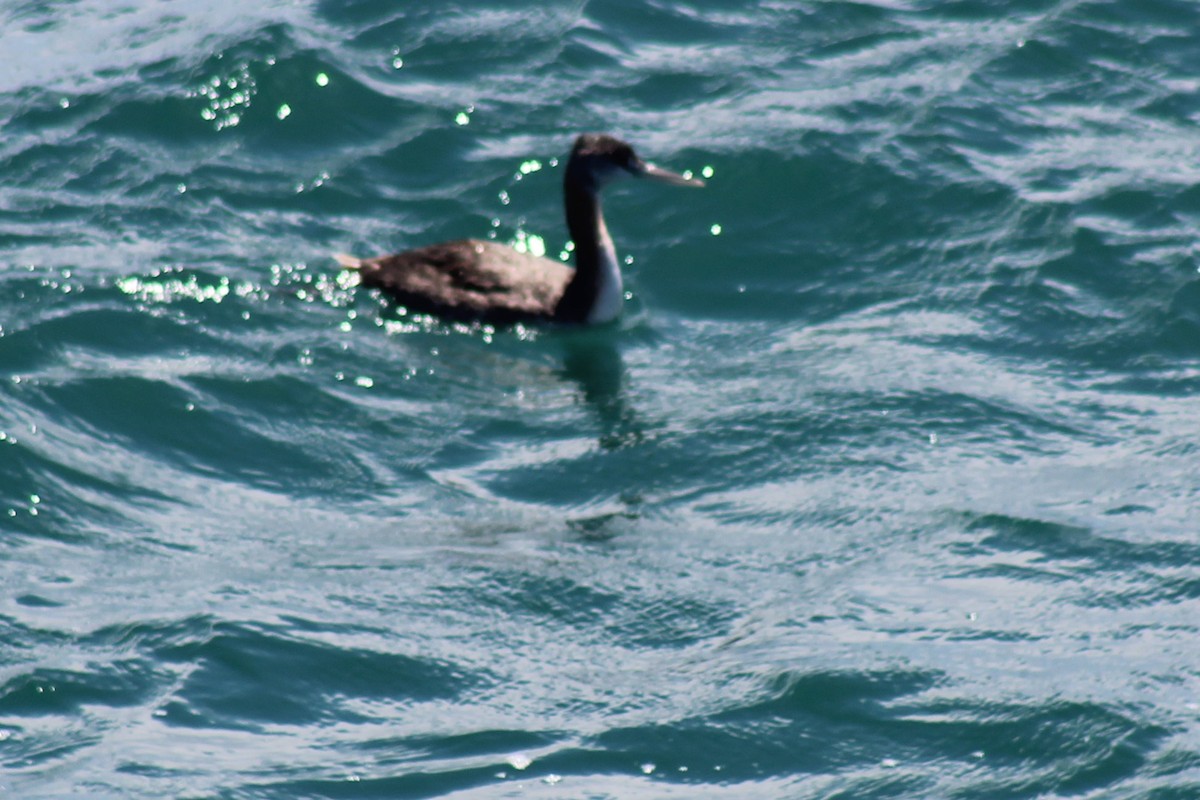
[(594, 363)]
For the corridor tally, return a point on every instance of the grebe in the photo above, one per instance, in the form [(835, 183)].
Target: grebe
[(471, 279)]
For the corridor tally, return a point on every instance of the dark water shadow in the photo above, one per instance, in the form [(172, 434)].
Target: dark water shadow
[(593, 362)]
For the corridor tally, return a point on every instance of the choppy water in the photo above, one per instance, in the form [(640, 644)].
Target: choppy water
[(885, 485)]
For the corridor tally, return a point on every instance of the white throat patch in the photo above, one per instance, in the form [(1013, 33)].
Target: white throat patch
[(610, 295)]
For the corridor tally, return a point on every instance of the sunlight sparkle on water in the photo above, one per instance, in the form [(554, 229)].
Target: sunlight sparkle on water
[(529, 243), (228, 97), (190, 288)]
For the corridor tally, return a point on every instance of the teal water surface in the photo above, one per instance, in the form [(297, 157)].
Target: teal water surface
[(884, 485)]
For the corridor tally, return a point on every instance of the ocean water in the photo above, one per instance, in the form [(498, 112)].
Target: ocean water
[(885, 485)]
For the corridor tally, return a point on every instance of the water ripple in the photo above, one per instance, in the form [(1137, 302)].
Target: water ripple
[(884, 486)]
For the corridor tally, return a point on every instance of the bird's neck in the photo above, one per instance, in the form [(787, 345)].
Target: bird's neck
[(595, 293)]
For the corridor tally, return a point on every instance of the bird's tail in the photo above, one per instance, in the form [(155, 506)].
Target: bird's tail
[(348, 262)]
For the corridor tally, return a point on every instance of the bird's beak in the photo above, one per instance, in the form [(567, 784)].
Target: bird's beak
[(656, 173)]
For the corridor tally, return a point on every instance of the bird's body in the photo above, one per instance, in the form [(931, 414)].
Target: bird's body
[(468, 279), (476, 280)]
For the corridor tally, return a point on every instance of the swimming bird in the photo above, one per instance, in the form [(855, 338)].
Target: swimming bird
[(485, 281)]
